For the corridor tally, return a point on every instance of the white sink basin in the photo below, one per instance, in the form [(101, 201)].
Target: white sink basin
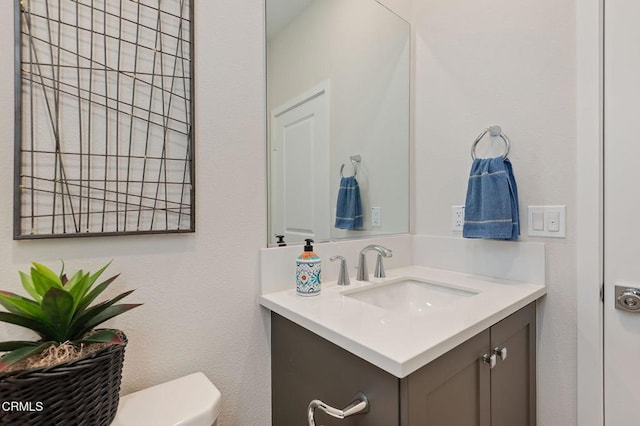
[(409, 295)]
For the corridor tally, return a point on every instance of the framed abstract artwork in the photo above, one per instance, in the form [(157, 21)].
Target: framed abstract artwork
[(104, 141)]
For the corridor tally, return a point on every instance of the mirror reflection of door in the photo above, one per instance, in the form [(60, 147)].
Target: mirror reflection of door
[(300, 149), (363, 49)]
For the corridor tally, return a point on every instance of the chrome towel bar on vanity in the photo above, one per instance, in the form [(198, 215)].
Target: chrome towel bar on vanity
[(359, 405)]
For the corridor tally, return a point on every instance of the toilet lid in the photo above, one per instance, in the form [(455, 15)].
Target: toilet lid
[(188, 401)]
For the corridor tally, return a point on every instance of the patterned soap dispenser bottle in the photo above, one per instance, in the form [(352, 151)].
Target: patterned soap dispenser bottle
[(308, 271)]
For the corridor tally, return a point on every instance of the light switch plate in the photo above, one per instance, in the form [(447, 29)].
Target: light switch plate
[(553, 218)]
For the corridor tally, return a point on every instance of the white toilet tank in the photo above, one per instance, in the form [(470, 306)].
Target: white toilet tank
[(188, 401)]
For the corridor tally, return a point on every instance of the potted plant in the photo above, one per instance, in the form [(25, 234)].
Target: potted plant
[(71, 375)]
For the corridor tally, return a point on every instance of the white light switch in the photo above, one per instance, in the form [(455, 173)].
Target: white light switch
[(537, 221), (554, 221), (547, 221)]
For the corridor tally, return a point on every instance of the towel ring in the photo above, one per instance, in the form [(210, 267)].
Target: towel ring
[(493, 131), (355, 160)]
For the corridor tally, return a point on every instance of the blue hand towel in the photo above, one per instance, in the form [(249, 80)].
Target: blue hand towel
[(349, 206), (491, 208)]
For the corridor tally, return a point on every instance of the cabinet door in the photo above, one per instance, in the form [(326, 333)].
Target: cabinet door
[(305, 367), (453, 390), (513, 380)]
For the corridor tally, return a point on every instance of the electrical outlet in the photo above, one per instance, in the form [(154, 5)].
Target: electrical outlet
[(376, 216), (457, 218)]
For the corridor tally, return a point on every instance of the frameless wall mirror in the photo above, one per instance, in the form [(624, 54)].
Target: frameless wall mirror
[(338, 75)]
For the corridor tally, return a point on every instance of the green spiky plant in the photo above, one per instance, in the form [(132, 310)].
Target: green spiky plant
[(59, 312)]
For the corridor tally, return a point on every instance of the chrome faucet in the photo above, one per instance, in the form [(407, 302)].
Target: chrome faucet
[(363, 274), (343, 274)]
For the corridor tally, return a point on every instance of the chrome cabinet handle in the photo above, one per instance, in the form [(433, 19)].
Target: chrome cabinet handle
[(489, 360), (359, 405), (501, 352)]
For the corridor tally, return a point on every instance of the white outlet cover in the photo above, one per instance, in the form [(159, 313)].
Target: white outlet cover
[(376, 216), (457, 218)]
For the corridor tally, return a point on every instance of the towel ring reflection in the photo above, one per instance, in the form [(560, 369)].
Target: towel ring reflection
[(355, 160), (493, 131)]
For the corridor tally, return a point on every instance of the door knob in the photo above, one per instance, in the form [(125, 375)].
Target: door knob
[(627, 299)]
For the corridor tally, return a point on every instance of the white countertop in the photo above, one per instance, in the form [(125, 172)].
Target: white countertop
[(401, 343)]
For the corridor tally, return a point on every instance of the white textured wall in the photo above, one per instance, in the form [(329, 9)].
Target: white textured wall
[(199, 290), (509, 63), (401, 8)]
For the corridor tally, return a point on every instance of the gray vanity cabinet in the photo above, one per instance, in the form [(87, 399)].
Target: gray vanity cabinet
[(454, 389), (305, 367), (460, 388), (513, 381)]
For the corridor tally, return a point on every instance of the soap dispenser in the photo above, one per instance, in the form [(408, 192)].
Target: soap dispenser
[(308, 271)]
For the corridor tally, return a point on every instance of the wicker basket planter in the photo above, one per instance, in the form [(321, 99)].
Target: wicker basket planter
[(85, 391)]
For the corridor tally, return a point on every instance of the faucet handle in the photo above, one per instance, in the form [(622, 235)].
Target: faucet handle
[(343, 274), (379, 272), (363, 275)]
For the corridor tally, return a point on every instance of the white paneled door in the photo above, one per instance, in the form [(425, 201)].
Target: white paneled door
[(300, 150), (622, 211)]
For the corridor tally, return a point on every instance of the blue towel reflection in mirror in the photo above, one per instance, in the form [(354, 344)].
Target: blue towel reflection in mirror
[(349, 205)]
